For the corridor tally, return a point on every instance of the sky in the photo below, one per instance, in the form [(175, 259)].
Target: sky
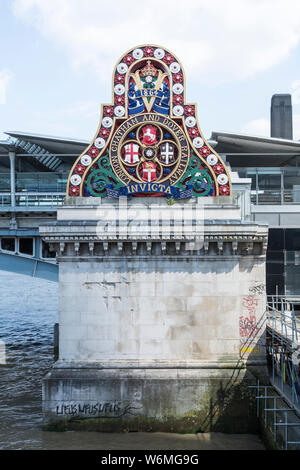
[(57, 59)]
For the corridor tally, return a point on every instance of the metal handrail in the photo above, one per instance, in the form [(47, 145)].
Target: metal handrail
[(29, 199), (275, 196), (282, 342), (281, 311)]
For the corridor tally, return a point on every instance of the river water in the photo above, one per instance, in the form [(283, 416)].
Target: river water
[(28, 311)]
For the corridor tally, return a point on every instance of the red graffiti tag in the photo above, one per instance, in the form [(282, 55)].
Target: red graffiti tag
[(248, 325)]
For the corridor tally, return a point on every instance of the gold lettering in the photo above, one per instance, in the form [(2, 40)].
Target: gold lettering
[(154, 187), (120, 131), (129, 124), (134, 188), (168, 190)]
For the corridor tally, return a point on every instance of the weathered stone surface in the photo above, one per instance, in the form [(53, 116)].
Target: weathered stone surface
[(149, 400), (155, 327)]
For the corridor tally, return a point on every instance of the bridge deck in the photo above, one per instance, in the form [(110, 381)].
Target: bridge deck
[(34, 267)]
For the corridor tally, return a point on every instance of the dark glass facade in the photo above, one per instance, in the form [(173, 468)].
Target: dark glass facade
[(283, 262)]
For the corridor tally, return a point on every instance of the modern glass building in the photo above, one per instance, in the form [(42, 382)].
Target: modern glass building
[(33, 176), (273, 166)]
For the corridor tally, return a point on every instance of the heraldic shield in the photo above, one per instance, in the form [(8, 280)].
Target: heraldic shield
[(149, 133)]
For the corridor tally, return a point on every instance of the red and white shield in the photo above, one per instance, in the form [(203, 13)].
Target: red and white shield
[(131, 153), (149, 171), (149, 135)]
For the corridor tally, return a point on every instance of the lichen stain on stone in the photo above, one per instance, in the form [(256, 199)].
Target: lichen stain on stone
[(196, 350)]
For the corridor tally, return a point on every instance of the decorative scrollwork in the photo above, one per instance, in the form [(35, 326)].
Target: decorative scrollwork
[(100, 177), (197, 178)]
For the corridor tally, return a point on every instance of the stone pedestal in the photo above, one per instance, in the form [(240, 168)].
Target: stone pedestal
[(161, 322)]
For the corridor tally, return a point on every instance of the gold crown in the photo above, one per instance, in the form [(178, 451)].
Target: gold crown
[(148, 69)]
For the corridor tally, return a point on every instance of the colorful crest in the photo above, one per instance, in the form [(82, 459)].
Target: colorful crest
[(149, 134), (149, 171), (167, 153), (131, 153)]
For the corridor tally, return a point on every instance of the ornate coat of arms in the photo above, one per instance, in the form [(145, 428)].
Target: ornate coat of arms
[(149, 134), (131, 153), (149, 171), (167, 153)]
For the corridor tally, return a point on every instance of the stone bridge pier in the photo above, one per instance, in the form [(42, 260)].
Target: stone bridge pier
[(161, 315)]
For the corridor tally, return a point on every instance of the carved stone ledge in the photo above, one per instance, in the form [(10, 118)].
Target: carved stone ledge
[(232, 239), (211, 247)]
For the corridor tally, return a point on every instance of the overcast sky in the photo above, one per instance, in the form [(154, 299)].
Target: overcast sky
[(57, 59)]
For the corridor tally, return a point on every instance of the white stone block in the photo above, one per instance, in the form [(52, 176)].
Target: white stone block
[(69, 317), (153, 332), (151, 348), (93, 349), (146, 312), (97, 318), (180, 349), (68, 332), (100, 332), (141, 289), (69, 349)]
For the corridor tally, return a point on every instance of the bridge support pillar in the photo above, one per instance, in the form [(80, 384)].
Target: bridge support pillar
[(161, 324)]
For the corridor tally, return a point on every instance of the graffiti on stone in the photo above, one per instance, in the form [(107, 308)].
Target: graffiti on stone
[(106, 409), (248, 326), (259, 289)]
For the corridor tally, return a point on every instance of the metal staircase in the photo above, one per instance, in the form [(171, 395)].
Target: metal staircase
[(283, 348), (43, 156)]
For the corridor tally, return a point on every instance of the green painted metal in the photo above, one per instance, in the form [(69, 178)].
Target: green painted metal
[(100, 176), (197, 177)]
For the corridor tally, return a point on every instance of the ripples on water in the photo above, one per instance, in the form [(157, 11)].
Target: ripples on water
[(28, 311)]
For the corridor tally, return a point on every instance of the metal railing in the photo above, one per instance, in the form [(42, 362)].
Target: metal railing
[(281, 429), (41, 182), (275, 197), (282, 318), (28, 199), (283, 348)]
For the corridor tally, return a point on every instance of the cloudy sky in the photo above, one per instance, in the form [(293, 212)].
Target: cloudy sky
[(57, 58)]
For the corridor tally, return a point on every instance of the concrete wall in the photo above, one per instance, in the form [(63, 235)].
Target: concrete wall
[(285, 216)]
